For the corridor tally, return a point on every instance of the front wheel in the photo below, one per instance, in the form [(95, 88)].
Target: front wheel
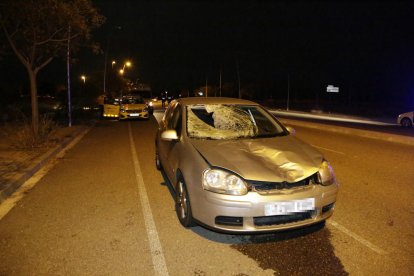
[(406, 122), (182, 205)]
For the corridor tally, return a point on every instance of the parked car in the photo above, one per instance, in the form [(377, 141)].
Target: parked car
[(406, 119), (133, 107), (235, 168), (110, 107)]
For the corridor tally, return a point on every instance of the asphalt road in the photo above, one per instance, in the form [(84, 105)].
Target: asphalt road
[(103, 209)]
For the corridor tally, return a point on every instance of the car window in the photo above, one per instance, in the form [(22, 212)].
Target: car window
[(219, 121), (175, 121), (168, 114), (133, 100)]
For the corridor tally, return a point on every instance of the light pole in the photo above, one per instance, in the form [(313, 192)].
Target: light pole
[(83, 77), (288, 93), (106, 55)]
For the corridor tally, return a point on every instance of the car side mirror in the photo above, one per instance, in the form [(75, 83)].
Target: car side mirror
[(291, 130), (169, 135)]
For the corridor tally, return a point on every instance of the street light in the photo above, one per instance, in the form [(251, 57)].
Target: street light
[(106, 55), (113, 63), (83, 77), (126, 64)]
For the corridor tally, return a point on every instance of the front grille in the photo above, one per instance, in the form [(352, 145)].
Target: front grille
[(282, 219), (134, 111), (267, 186)]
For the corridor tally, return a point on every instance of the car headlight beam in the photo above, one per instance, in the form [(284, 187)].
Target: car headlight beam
[(223, 182)]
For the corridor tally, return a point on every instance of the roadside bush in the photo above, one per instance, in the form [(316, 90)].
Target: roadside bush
[(22, 135)]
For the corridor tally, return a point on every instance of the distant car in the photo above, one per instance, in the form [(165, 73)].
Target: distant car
[(110, 108), (235, 168), (133, 107), (406, 119)]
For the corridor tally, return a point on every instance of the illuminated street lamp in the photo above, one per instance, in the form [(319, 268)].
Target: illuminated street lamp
[(126, 64), (113, 63), (83, 77)]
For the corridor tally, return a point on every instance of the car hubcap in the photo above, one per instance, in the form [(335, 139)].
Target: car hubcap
[(406, 123), (182, 200)]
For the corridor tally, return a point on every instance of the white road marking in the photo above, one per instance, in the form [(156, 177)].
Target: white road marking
[(357, 237), (12, 200), (338, 152), (158, 259)]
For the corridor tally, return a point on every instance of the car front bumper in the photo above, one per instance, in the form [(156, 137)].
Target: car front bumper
[(126, 115), (246, 213)]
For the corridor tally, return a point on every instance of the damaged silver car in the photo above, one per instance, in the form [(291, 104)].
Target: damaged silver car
[(235, 168)]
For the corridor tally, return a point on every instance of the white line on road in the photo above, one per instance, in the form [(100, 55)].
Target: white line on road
[(157, 254), (357, 237), (338, 152)]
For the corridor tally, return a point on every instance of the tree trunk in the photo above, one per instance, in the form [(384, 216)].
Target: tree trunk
[(33, 96)]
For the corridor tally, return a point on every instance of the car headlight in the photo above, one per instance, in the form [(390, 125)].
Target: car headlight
[(122, 110), (145, 109), (326, 175), (223, 182)]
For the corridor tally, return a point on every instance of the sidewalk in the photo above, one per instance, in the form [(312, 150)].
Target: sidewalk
[(16, 165)]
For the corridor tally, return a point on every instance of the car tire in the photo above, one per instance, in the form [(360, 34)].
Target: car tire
[(182, 204), (406, 122)]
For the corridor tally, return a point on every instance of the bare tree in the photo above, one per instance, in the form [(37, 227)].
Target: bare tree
[(39, 30)]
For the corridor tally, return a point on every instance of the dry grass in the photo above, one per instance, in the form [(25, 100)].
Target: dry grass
[(22, 136)]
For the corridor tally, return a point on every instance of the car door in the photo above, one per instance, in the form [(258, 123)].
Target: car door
[(168, 149)]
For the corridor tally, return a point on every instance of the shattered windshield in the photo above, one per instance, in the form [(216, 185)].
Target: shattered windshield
[(220, 121)]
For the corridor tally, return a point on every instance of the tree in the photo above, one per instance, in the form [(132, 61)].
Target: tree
[(39, 31)]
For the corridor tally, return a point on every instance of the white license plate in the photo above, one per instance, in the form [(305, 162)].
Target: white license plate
[(289, 207), (134, 115)]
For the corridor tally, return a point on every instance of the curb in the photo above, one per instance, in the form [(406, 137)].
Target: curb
[(388, 137), (21, 178)]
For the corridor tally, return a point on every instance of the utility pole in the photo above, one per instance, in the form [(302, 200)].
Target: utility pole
[(68, 76), (106, 61), (206, 87), (288, 93), (220, 81), (238, 75), (106, 55)]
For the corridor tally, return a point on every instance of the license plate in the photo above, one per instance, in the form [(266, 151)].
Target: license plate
[(289, 207), (134, 115)]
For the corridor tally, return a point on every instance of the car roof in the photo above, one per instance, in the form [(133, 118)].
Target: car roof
[(213, 100)]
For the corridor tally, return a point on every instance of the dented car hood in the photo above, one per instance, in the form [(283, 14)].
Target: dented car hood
[(276, 159)]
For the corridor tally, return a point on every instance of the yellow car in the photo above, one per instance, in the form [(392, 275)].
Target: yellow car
[(110, 108), (133, 107)]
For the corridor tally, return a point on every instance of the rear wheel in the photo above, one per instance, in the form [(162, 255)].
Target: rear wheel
[(406, 122), (182, 204)]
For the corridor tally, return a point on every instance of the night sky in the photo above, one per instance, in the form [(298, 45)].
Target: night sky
[(367, 49)]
